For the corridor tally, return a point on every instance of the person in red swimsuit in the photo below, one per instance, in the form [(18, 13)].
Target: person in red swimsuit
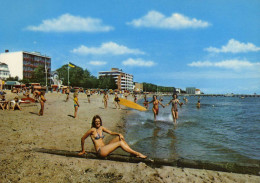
[(156, 103)]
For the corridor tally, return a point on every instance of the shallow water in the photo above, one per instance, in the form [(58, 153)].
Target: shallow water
[(224, 129)]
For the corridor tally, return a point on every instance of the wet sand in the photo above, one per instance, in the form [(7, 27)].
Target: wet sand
[(22, 131)]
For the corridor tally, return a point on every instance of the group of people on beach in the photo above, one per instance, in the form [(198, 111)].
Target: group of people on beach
[(96, 132), (38, 96), (12, 104)]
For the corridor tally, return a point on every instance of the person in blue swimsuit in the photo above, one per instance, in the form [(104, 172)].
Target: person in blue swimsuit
[(97, 136)]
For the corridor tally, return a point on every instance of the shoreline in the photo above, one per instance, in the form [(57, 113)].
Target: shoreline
[(23, 131)]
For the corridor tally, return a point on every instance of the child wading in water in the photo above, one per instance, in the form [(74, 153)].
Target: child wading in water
[(42, 101), (76, 104)]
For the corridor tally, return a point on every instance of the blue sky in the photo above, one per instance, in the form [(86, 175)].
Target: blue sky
[(211, 45)]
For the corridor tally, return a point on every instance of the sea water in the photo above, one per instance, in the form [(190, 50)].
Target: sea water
[(224, 129)]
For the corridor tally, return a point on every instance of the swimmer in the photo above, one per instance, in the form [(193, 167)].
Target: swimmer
[(156, 103), (174, 109), (198, 104)]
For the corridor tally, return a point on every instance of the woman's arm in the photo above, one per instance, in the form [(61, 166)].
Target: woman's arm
[(161, 103), (169, 103), (113, 133), (179, 103), (83, 141), (151, 102)]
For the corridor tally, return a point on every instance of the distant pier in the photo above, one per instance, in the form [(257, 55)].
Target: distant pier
[(220, 95)]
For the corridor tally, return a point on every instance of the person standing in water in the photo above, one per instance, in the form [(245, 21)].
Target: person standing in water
[(174, 102), (97, 136), (198, 104), (156, 103), (146, 103)]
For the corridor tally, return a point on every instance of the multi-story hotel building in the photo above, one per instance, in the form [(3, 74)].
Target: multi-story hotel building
[(23, 63), (124, 81), (4, 71)]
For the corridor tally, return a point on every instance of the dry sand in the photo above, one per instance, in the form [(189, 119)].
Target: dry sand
[(22, 131)]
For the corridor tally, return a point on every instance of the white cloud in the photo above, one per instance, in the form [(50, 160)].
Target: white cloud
[(138, 62), (70, 23), (97, 63), (106, 48), (156, 19), (234, 46), (228, 64)]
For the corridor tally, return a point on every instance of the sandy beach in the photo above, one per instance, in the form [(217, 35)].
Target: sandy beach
[(23, 131)]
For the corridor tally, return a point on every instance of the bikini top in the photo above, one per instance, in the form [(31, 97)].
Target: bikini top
[(98, 136), (174, 103)]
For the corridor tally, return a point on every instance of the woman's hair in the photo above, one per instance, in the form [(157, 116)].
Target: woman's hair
[(75, 94), (175, 94), (94, 119), (154, 96)]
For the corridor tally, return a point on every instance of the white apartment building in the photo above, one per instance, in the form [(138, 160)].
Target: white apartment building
[(4, 71), (197, 92), (23, 63), (124, 81)]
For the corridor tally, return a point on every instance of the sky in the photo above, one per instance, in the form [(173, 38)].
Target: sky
[(211, 45)]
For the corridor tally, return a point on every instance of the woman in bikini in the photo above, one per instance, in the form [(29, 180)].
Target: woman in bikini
[(105, 99), (174, 102), (97, 136), (42, 101), (117, 100), (156, 103)]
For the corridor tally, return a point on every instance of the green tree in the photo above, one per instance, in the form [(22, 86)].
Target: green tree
[(38, 76), (12, 78), (77, 77), (107, 82)]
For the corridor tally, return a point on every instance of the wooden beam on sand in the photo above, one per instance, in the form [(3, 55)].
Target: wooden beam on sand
[(253, 169)]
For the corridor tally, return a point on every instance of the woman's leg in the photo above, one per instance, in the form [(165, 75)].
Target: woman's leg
[(154, 114), (75, 112), (107, 149), (173, 116), (176, 115), (117, 139)]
